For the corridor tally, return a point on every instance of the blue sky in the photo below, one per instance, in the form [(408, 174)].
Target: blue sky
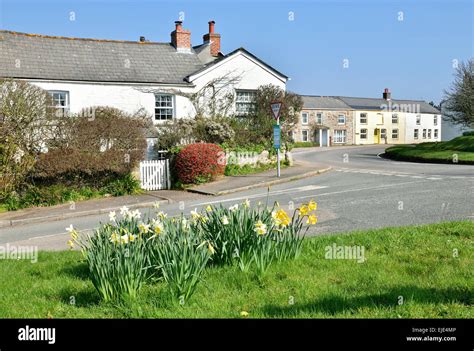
[(306, 40)]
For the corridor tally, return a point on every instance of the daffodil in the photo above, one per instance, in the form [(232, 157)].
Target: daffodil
[(225, 220), (156, 205), (70, 243), (312, 219), (123, 210), (211, 249), (144, 228), (124, 239), (195, 214), (162, 215), (260, 228), (72, 232), (281, 218), (136, 214), (247, 203), (132, 237), (112, 216), (209, 208), (234, 208), (115, 238), (303, 210), (157, 227), (244, 314), (312, 206)]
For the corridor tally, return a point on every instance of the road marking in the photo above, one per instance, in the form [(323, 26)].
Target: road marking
[(271, 193), (360, 189)]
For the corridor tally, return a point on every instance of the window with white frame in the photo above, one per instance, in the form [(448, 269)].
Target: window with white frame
[(164, 107), (435, 120), (304, 118), (319, 118), (363, 133), (394, 118), (415, 133), (363, 118), (424, 133), (339, 136), (60, 101), (394, 133), (341, 119), (429, 133), (436, 133), (245, 101), (418, 120), (304, 135)]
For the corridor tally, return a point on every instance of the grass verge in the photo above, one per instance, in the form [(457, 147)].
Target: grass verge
[(459, 150), (409, 272)]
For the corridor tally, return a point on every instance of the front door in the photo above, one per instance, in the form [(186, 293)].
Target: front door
[(376, 136), (324, 137)]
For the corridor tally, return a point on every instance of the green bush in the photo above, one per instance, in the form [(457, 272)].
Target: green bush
[(122, 186), (468, 133), (304, 144), (54, 194)]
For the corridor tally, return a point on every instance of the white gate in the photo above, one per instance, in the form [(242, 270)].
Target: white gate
[(155, 175)]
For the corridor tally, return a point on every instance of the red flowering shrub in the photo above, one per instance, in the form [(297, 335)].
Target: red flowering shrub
[(197, 163)]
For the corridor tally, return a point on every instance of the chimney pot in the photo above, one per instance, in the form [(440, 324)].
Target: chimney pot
[(142, 39), (387, 95), (214, 39), (211, 26), (179, 24)]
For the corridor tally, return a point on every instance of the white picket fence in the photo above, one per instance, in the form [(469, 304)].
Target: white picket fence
[(155, 175)]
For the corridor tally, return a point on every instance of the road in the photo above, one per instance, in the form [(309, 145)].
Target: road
[(362, 191)]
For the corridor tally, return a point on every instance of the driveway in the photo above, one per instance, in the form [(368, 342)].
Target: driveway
[(362, 191)]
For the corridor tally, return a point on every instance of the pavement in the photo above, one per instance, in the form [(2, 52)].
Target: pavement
[(362, 191), (233, 184)]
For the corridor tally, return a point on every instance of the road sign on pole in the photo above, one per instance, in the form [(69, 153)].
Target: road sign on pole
[(276, 136), (276, 109)]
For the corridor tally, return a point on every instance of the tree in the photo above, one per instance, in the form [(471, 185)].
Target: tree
[(27, 120), (459, 99), (262, 119)]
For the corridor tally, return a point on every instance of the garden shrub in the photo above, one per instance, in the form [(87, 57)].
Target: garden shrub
[(197, 163), (102, 141)]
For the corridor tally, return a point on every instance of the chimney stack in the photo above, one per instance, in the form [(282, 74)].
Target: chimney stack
[(214, 39), (387, 95), (181, 38)]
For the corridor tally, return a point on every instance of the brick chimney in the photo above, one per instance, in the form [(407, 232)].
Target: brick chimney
[(214, 39), (387, 95), (181, 38)]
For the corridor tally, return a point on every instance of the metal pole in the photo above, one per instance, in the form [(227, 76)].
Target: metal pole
[(278, 151)]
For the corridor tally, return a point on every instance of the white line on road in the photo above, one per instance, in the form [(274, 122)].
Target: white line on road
[(271, 193), (359, 189)]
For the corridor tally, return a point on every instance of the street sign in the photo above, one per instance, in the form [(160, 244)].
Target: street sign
[(276, 107), (276, 136)]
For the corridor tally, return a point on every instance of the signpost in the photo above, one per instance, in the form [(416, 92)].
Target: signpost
[(276, 108)]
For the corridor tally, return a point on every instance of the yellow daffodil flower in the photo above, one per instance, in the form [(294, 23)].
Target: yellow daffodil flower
[(209, 208), (312, 206), (303, 210), (260, 228), (312, 219)]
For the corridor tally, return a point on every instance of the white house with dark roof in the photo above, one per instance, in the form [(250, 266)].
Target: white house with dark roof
[(130, 75)]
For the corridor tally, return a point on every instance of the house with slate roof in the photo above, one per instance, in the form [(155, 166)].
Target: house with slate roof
[(131, 76), (339, 120)]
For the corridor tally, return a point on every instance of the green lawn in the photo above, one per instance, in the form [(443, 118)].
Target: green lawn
[(442, 152), (415, 263)]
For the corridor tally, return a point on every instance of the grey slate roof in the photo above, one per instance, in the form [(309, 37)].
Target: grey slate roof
[(324, 102), (376, 104), (45, 57), (367, 104)]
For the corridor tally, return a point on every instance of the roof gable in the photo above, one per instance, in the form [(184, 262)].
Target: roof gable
[(225, 58)]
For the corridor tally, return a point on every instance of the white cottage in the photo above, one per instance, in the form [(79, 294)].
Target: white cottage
[(130, 75)]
